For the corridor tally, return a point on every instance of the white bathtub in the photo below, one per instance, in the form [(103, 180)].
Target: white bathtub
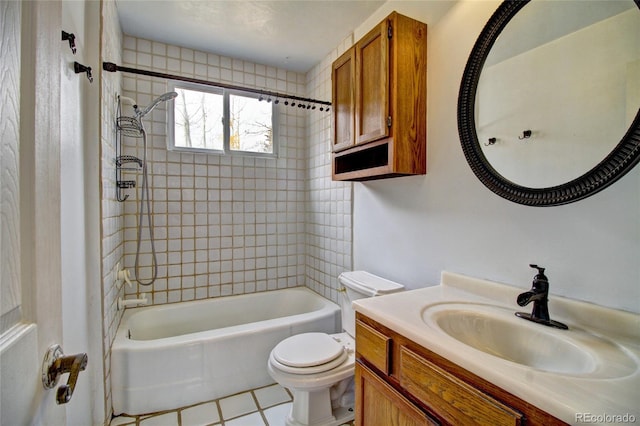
[(170, 356)]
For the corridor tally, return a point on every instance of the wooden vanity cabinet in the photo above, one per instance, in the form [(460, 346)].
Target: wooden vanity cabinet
[(379, 99), (399, 382)]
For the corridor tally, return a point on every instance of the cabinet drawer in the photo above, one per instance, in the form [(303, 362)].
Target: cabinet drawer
[(374, 346), (453, 400)]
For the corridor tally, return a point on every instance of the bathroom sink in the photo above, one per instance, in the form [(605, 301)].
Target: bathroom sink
[(496, 331)]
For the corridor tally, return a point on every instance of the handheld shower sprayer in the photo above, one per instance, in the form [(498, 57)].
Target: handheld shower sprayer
[(144, 192), (162, 98)]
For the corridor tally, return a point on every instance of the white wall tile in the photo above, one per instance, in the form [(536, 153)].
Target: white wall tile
[(323, 197), (211, 196)]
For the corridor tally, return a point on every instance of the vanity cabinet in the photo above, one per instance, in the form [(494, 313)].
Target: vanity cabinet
[(379, 99), (399, 379)]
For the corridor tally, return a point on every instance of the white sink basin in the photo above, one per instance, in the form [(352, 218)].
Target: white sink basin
[(498, 332)]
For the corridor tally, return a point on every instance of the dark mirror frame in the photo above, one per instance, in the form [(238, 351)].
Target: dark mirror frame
[(615, 165)]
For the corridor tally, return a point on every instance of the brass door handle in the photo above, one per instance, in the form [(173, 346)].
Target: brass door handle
[(56, 364)]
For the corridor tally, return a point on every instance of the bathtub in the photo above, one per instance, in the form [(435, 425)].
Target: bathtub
[(170, 356)]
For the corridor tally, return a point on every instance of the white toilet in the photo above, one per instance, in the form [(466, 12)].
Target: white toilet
[(318, 368)]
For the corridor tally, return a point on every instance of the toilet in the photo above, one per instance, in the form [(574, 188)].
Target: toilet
[(318, 368)]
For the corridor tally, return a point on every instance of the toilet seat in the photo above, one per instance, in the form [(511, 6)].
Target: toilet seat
[(308, 353)]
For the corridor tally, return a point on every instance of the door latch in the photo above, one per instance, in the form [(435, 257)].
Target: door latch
[(56, 364)]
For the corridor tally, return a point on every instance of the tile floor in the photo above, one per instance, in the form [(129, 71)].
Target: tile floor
[(265, 406)]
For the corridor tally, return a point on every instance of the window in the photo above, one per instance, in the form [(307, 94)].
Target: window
[(210, 119)]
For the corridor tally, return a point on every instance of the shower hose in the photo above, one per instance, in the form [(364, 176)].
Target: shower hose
[(145, 202)]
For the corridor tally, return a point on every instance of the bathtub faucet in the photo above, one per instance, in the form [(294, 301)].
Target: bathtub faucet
[(125, 303)]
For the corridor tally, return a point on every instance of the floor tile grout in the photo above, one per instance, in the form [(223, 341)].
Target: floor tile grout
[(140, 420)]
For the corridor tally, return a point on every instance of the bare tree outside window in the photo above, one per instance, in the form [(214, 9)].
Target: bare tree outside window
[(198, 120), (250, 124), (202, 118)]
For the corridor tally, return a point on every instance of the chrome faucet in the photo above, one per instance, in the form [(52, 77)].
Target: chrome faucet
[(539, 295)]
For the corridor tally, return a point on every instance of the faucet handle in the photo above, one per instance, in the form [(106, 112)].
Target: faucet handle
[(540, 281), (539, 268)]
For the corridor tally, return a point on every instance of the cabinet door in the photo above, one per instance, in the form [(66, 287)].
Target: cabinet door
[(457, 402), (343, 108), (378, 404), (372, 85)]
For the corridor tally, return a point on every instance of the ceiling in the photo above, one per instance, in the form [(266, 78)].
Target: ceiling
[(289, 34)]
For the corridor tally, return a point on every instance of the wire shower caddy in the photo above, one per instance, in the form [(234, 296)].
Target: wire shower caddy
[(129, 127)]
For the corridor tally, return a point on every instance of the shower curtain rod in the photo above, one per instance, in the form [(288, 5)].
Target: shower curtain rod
[(111, 67)]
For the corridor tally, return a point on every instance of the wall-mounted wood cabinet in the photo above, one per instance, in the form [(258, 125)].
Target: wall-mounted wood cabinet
[(379, 102), (401, 382)]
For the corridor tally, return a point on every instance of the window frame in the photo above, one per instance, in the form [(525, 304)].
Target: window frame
[(226, 148)]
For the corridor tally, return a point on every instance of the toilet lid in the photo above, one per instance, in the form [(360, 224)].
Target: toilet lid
[(307, 350), (369, 284)]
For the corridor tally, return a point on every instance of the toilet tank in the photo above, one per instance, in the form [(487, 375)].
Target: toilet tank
[(356, 285)]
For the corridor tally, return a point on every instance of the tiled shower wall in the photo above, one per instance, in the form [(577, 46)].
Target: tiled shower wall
[(223, 225), (328, 208)]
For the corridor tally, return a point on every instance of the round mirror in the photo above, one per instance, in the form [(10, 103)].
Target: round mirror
[(549, 105)]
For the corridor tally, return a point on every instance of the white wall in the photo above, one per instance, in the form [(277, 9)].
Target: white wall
[(410, 229), (80, 211), (112, 222)]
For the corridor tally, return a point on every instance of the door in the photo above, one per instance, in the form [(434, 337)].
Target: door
[(343, 96), (30, 237), (372, 85), (378, 404), (80, 207)]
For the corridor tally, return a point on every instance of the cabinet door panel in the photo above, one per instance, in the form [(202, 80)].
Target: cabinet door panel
[(343, 86), (372, 85), (378, 404), (455, 401)]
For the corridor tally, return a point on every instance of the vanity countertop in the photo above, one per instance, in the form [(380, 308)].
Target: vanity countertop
[(574, 398)]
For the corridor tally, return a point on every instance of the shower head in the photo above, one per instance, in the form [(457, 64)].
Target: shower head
[(167, 97), (162, 98)]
